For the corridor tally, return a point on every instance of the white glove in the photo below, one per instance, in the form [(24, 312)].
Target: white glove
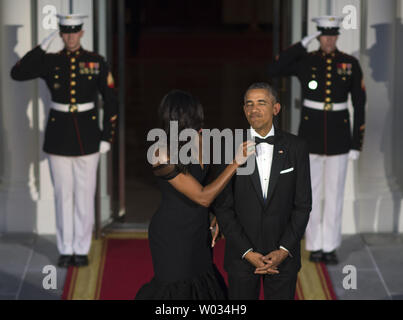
[(104, 147), (48, 40), (354, 155), (308, 39)]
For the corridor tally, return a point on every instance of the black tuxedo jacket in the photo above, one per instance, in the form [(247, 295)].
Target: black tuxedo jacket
[(247, 221)]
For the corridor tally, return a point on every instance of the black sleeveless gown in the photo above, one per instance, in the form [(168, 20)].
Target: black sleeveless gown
[(180, 243)]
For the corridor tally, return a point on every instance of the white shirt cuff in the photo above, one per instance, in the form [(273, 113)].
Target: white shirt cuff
[(281, 247), (243, 256)]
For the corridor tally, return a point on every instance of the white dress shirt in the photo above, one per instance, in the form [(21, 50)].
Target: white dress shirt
[(264, 158)]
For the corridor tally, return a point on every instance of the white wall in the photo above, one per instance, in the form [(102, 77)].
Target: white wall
[(379, 195), (397, 161), (17, 135)]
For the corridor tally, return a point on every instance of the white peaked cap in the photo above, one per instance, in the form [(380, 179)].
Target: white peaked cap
[(74, 19), (328, 21)]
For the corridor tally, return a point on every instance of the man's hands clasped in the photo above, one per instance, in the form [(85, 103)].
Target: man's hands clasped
[(267, 264)]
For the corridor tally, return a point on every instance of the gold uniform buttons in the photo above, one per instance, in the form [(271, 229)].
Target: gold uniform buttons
[(56, 76), (73, 100), (73, 75), (89, 77), (313, 76), (328, 99), (328, 91), (73, 67), (73, 83), (328, 83), (73, 108), (329, 68), (73, 91), (94, 117), (73, 60), (306, 118), (329, 61), (329, 75)]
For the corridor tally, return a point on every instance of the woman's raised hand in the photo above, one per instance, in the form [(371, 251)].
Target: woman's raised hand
[(245, 150)]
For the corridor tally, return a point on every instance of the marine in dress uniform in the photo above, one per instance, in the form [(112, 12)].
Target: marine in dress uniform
[(73, 138), (327, 77)]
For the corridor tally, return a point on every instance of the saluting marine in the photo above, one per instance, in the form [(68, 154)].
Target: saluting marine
[(327, 77), (73, 138)]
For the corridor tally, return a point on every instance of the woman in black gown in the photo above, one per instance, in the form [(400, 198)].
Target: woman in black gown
[(179, 235)]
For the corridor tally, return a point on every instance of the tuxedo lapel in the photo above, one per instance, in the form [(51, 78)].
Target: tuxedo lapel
[(279, 155), (256, 182), (254, 177)]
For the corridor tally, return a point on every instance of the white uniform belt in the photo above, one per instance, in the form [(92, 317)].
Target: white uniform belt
[(325, 106), (77, 107)]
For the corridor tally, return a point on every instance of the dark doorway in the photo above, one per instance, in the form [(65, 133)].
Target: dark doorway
[(213, 49)]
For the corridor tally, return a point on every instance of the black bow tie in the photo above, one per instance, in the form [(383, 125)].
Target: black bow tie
[(269, 140)]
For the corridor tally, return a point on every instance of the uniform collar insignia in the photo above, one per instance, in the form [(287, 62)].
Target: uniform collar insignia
[(331, 55), (75, 53)]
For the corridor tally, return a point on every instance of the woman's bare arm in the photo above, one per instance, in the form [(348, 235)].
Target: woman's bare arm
[(205, 195), (190, 187)]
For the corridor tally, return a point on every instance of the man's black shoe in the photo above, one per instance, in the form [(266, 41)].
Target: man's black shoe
[(330, 258), (80, 260), (65, 260), (316, 256)]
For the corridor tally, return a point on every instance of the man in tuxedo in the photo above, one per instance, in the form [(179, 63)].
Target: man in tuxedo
[(263, 216)]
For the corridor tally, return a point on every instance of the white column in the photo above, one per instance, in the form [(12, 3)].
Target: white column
[(379, 195), (18, 137), (103, 179)]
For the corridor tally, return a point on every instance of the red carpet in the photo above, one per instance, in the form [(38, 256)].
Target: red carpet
[(125, 272), (120, 266)]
